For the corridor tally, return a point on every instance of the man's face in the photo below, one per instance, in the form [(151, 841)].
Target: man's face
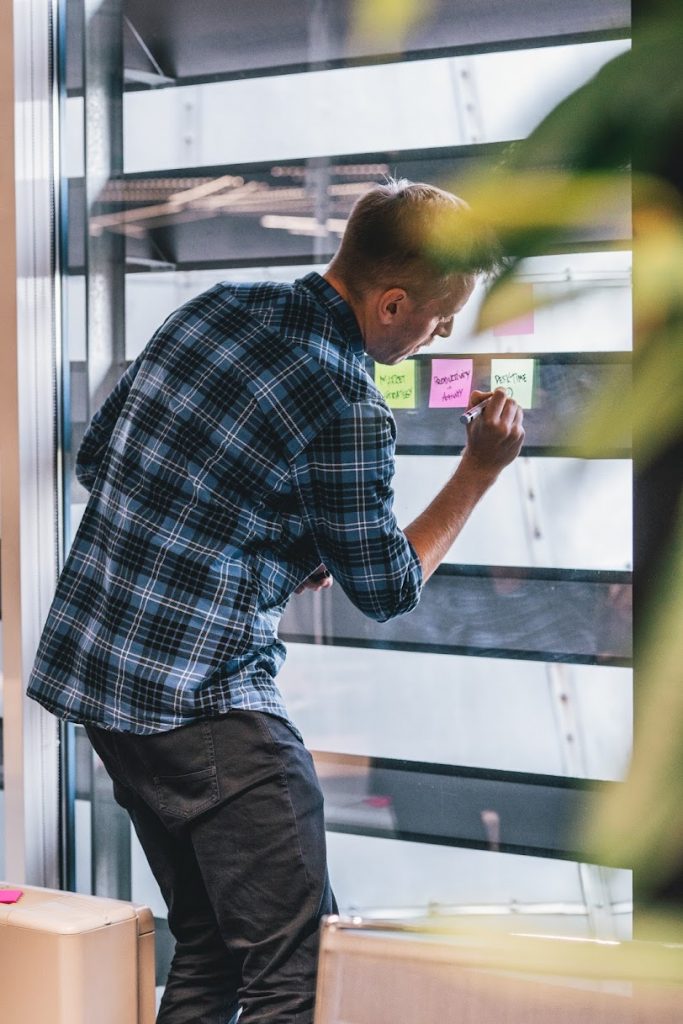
[(416, 323)]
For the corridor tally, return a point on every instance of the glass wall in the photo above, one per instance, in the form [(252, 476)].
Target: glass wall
[(456, 746)]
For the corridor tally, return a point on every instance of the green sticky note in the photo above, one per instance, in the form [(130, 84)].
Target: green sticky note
[(517, 377), (397, 384)]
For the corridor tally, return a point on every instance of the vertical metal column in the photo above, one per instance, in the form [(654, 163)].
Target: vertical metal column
[(318, 168), (105, 250), (105, 340), (317, 183)]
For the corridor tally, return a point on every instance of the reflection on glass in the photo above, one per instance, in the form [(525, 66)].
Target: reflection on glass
[(292, 212)]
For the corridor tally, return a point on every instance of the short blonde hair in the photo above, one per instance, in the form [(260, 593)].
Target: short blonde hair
[(391, 241)]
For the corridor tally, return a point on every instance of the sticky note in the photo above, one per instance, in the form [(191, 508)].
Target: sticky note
[(519, 296), (451, 383), (517, 376), (397, 384), (10, 895)]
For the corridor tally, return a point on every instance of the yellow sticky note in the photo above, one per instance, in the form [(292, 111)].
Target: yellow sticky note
[(517, 377), (397, 384)]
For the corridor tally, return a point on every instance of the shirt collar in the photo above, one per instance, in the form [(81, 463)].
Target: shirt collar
[(339, 309)]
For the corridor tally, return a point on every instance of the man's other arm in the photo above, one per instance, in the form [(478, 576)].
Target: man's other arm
[(350, 467)]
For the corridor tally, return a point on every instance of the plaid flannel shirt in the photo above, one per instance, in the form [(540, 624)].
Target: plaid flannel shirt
[(245, 445)]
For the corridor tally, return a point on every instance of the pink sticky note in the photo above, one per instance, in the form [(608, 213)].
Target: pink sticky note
[(451, 383), (522, 324), (10, 895)]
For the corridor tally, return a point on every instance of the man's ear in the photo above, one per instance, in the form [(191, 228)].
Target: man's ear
[(390, 305)]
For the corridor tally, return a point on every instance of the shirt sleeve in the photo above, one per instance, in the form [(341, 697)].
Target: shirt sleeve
[(96, 438), (351, 466)]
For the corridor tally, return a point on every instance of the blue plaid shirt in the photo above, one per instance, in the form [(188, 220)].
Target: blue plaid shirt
[(245, 445)]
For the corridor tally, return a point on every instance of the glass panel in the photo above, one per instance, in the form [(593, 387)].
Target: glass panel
[(528, 894), (183, 43), (584, 301), (293, 213), (355, 108), (462, 711), (263, 36), (560, 389), (171, 128), (578, 618), (560, 513), (600, 316)]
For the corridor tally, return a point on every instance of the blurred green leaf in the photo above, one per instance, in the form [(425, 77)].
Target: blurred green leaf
[(631, 110), (643, 819)]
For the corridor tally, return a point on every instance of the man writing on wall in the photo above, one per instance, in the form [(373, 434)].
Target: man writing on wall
[(244, 456)]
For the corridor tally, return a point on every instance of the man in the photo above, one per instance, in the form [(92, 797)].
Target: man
[(244, 456)]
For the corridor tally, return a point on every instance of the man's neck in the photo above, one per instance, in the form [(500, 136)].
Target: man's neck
[(357, 305)]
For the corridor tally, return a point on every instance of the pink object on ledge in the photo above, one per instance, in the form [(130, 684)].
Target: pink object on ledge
[(10, 895)]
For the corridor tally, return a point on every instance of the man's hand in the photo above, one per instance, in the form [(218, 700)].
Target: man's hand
[(495, 438), (319, 580)]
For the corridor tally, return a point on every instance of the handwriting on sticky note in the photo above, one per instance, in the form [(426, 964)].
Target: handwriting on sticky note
[(517, 377), (451, 383), (10, 895), (397, 384)]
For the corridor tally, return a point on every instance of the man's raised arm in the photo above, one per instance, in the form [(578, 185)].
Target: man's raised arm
[(494, 440)]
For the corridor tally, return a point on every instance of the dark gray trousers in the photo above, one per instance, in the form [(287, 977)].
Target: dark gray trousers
[(230, 815)]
